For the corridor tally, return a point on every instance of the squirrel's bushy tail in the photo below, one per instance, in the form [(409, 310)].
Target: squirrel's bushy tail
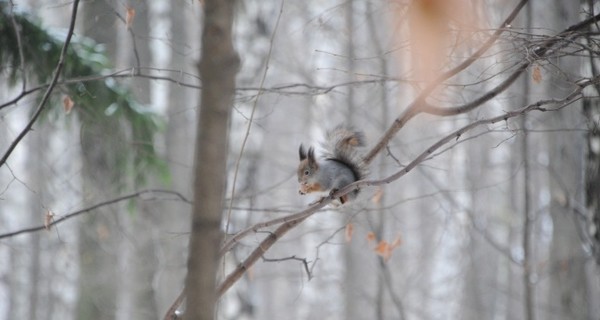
[(341, 145)]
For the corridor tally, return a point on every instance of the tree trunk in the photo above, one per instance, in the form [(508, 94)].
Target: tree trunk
[(218, 67)]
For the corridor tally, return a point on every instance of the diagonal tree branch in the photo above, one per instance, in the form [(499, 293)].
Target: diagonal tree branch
[(415, 107), (476, 55), (539, 53), (42, 104), (251, 119), (421, 106)]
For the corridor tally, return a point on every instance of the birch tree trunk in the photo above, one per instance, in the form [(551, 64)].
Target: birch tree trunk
[(98, 241), (568, 284), (179, 137)]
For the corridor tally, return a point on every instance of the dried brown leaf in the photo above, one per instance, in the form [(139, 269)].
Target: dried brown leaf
[(384, 250), (376, 199), (48, 218), (68, 104), (536, 74), (370, 237), (129, 16), (349, 232)]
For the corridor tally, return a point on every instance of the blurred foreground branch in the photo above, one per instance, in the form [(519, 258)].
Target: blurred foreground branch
[(420, 104)]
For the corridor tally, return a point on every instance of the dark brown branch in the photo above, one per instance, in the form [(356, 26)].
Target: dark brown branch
[(42, 104), (232, 241), (171, 313), (91, 209), (265, 245), (303, 260)]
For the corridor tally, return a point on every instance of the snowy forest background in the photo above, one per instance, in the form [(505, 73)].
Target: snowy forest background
[(484, 205)]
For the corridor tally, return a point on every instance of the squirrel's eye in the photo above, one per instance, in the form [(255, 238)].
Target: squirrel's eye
[(306, 172)]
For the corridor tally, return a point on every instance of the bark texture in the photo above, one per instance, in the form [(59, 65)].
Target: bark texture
[(218, 67)]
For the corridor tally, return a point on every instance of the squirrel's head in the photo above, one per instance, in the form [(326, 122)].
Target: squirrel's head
[(306, 169)]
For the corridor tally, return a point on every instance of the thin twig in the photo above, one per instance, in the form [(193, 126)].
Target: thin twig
[(303, 260), (232, 241), (419, 105), (539, 106), (262, 82), (90, 209), (539, 53)]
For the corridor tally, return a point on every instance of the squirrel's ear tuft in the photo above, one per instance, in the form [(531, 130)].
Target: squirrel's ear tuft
[(301, 152), (311, 154)]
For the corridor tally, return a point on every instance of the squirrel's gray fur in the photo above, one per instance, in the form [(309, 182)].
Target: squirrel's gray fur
[(339, 165)]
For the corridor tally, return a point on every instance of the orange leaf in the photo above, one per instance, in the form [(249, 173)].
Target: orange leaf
[(384, 250), (370, 237), (382, 247), (129, 16), (349, 231), (377, 196), (68, 104), (536, 75)]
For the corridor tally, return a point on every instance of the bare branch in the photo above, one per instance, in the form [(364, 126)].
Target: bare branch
[(91, 209), (247, 134), (415, 108), (265, 245), (231, 242), (559, 104), (421, 106), (539, 53), (303, 260), (469, 61)]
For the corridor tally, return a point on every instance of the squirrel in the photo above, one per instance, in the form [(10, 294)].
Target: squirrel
[(340, 164)]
